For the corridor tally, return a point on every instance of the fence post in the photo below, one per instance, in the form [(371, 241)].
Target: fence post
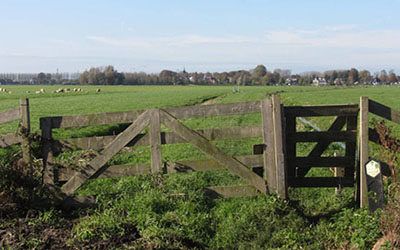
[(363, 151), (155, 141), (25, 130), (281, 187), (48, 171), (268, 138)]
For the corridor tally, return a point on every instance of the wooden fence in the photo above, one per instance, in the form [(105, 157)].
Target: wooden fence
[(22, 134), (277, 157), (134, 136), (368, 134)]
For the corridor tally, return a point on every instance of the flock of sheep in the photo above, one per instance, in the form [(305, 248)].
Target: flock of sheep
[(5, 90), (43, 91)]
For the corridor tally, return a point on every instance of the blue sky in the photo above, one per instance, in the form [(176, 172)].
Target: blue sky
[(43, 35)]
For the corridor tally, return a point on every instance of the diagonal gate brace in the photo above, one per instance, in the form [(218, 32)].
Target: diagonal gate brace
[(97, 165), (319, 149), (231, 163)]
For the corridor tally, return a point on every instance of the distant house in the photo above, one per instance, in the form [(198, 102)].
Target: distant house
[(319, 81), (338, 81), (291, 81), (376, 81)]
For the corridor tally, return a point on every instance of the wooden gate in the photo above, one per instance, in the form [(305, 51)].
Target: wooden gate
[(343, 129), (136, 134)]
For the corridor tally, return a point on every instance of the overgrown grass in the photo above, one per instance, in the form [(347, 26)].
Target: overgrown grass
[(171, 211)]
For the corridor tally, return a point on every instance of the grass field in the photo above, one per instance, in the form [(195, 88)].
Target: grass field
[(314, 219)]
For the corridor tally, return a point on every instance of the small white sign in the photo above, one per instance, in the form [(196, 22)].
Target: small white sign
[(373, 168)]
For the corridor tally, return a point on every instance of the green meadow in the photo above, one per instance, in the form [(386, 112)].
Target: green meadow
[(171, 211)]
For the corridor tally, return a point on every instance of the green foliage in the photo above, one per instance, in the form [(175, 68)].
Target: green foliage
[(262, 222), (357, 229)]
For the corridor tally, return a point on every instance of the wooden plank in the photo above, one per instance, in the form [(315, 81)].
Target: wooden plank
[(373, 136), (96, 165), (351, 147), (290, 128), (207, 165), (9, 116), (281, 187), (130, 116), (99, 142), (319, 149), (258, 149), (326, 110), (327, 136), (47, 152), (268, 139), (321, 182), (9, 140), (231, 191), (206, 147), (25, 130), (155, 141), (363, 151), (64, 174), (384, 111), (318, 161)]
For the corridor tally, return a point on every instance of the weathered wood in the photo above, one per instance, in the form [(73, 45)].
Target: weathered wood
[(47, 152), (231, 191), (205, 146), (373, 136), (64, 174), (268, 139), (319, 149), (363, 151), (281, 187), (180, 113), (9, 115), (326, 110), (72, 202), (351, 147), (99, 142), (25, 130), (318, 161), (258, 149), (9, 140), (338, 172), (155, 141), (207, 165), (384, 111), (324, 136), (290, 152), (96, 165), (321, 182)]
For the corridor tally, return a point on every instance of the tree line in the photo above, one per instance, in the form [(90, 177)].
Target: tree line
[(258, 76)]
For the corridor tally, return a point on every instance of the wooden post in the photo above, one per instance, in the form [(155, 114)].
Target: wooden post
[(281, 187), (363, 151), (268, 138), (155, 141), (48, 171), (25, 130)]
